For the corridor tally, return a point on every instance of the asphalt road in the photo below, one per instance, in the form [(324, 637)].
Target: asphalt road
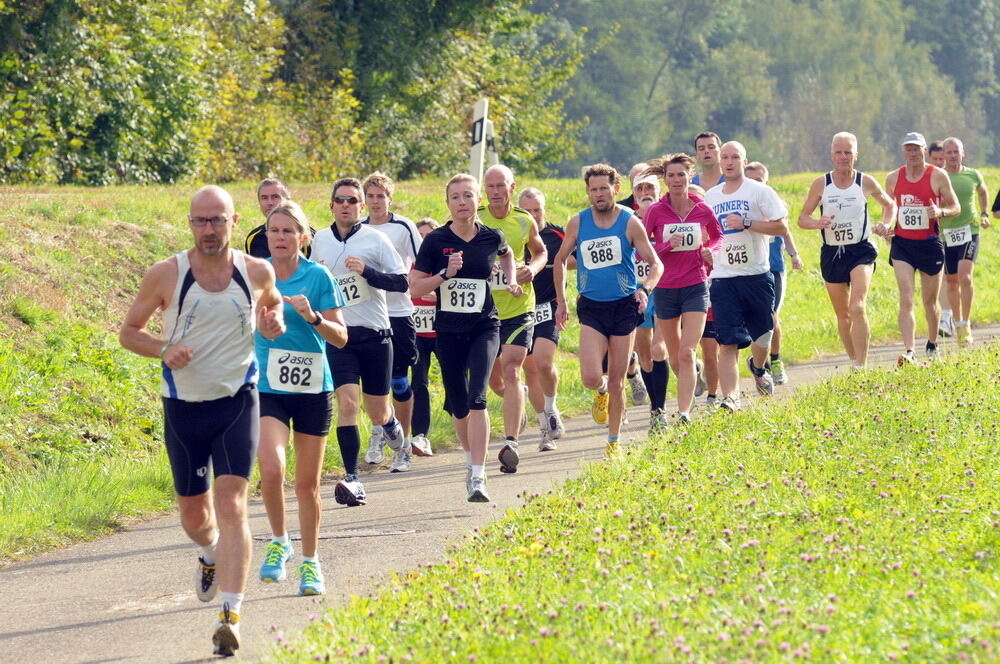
[(129, 597)]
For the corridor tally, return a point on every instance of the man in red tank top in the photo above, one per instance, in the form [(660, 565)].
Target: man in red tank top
[(923, 195)]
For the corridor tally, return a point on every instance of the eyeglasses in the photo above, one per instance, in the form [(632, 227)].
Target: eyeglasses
[(201, 222), (352, 200)]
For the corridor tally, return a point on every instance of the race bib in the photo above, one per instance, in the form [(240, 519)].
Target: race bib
[(463, 296), (423, 318), (954, 237), (641, 271), (601, 252), (354, 287), (295, 371), (543, 313), (690, 236), (844, 232), (498, 280), (914, 218), (738, 250)]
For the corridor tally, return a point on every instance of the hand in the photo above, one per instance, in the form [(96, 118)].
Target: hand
[(824, 222), (354, 264), (676, 239), (642, 298), (562, 315), (882, 230), (524, 274), (734, 222), (430, 297), (454, 264), (797, 262), (177, 356), (933, 211), (984, 222), (301, 305), (706, 255), (515, 290), (270, 324)]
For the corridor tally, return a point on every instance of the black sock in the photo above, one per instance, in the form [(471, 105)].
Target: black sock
[(661, 379), (350, 445), (775, 356)]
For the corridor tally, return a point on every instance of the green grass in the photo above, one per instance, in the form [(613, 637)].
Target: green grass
[(856, 521), (72, 258)]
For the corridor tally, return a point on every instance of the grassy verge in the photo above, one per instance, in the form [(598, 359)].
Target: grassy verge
[(857, 521)]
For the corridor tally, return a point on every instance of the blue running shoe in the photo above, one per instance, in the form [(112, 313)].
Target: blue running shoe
[(275, 557), (311, 579)]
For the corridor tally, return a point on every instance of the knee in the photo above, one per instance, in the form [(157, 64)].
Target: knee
[(272, 471), (856, 311), (307, 490), (591, 380), (195, 519), (229, 507), (347, 405), (401, 390), (965, 281)]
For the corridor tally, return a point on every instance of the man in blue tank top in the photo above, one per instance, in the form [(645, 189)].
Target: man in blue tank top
[(210, 399), (605, 238)]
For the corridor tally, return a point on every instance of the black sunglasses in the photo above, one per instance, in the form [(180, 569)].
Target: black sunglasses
[(353, 200)]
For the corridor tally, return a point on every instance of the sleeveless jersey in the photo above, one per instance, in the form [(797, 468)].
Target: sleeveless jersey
[(605, 258), (913, 199), (516, 230), (849, 210), (219, 327)]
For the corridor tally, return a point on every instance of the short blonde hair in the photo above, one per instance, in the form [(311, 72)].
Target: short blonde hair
[(293, 211), (461, 177)]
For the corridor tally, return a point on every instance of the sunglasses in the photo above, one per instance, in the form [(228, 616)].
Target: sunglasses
[(352, 200)]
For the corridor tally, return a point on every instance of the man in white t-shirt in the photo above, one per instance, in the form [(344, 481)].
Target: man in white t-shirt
[(742, 285)]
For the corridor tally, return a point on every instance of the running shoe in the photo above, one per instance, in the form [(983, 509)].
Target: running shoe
[(401, 459), (932, 351), (205, 583), (732, 403), (546, 444), (711, 401), (556, 428), (376, 442), (909, 357), (699, 378), (639, 393), (509, 457), (349, 491), (683, 418), (599, 408), (311, 580), (226, 637), (394, 437), (657, 423), (777, 369), (963, 334), (421, 446), (765, 386), (946, 327), (477, 490), (275, 556)]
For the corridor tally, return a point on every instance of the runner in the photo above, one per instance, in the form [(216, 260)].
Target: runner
[(847, 259), (423, 322), (923, 195), (961, 235), (707, 145), (540, 370), (706, 153), (611, 303), (210, 402), (271, 192), (517, 313), (365, 266), (681, 226), (630, 201), (650, 348), (457, 262), (296, 391), (946, 325), (742, 288), (405, 239), (758, 171)]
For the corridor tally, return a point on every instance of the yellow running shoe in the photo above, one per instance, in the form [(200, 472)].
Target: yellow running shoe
[(599, 408), (963, 334)]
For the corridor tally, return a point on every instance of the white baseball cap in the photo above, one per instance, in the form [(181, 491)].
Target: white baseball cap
[(913, 138), (643, 179)]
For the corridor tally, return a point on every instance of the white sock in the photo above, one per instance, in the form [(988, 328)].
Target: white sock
[(311, 559), (234, 600), (961, 323), (208, 552), (468, 458), (479, 471), (604, 385), (280, 538), (946, 315), (550, 404)]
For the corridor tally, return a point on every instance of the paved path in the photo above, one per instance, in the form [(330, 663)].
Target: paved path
[(128, 597)]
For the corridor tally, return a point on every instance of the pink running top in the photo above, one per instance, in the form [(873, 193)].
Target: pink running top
[(683, 265)]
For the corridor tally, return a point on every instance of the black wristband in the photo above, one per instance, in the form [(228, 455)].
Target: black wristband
[(315, 323)]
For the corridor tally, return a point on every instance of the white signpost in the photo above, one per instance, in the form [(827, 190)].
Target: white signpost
[(484, 145)]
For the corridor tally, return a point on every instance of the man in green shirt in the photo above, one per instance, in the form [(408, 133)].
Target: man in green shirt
[(961, 235), (517, 314)]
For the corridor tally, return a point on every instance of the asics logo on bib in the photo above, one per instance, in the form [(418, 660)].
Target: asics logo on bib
[(599, 244), (288, 358), (458, 285)]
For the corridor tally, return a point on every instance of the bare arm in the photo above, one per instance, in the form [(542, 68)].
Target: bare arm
[(636, 233), (950, 207), (871, 187), (983, 195), (511, 273), (806, 220), (154, 293), (559, 269), (331, 324), (270, 307), (539, 257)]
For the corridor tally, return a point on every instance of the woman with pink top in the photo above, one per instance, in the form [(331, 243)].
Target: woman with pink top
[(682, 229)]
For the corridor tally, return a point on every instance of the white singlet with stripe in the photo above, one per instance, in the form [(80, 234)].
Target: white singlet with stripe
[(849, 210), (406, 240), (218, 327)]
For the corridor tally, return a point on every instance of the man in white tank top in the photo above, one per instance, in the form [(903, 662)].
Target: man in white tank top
[(212, 298)]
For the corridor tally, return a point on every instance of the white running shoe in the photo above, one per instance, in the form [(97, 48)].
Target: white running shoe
[(546, 444), (350, 491), (699, 378), (206, 584), (946, 327), (226, 637), (477, 490), (909, 357), (639, 393), (376, 442), (509, 457), (394, 438), (556, 428), (731, 403), (421, 446), (401, 460)]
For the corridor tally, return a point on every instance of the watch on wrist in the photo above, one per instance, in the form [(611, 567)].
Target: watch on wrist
[(443, 274), (746, 224), (317, 321)]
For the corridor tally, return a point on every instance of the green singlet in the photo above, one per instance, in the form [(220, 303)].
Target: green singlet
[(516, 227), (965, 183)]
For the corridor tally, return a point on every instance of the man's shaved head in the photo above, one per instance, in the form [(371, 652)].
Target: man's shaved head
[(734, 145), (212, 194), (508, 175)]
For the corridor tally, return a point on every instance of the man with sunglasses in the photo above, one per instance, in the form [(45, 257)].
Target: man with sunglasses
[(212, 297), (365, 265)]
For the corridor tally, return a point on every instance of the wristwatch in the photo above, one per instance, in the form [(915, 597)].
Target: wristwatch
[(746, 224), (319, 319), (443, 274)]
